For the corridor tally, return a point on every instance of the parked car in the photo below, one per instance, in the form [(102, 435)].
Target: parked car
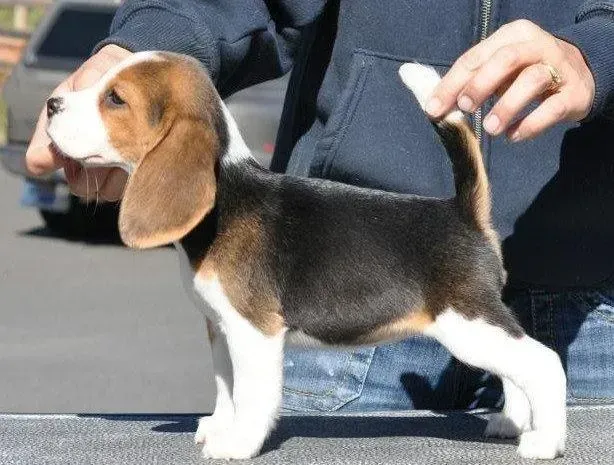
[(62, 42)]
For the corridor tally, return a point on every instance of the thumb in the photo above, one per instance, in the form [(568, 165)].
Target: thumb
[(40, 159)]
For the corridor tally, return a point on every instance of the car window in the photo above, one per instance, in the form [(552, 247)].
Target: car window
[(71, 37)]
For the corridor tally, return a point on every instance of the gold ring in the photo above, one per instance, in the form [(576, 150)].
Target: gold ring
[(555, 77)]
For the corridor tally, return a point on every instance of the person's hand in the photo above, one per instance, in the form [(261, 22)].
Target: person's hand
[(102, 183), (521, 63)]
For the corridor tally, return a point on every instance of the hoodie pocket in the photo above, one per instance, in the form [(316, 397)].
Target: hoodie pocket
[(378, 136)]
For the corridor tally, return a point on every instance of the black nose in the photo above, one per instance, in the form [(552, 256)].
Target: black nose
[(54, 105)]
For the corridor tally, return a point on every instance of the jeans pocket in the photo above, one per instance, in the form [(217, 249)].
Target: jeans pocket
[(323, 380)]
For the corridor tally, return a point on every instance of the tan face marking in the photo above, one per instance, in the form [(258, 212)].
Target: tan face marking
[(125, 106), (162, 115), (140, 103)]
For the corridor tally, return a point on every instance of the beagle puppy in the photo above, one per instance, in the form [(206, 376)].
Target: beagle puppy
[(273, 258)]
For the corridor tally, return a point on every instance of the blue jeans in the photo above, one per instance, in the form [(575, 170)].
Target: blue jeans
[(418, 373)]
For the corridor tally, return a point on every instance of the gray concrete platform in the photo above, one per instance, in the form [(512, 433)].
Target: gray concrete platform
[(408, 438)]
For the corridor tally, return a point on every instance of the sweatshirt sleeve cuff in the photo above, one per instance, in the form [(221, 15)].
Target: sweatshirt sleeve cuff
[(594, 38), (151, 28)]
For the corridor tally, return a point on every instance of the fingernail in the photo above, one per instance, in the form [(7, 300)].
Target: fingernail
[(465, 103), (433, 106), (515, 137), (491, 124)]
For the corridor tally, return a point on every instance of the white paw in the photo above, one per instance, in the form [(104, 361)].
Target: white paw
[(541, 445), (502, 426), (231, 443), (210, 424)]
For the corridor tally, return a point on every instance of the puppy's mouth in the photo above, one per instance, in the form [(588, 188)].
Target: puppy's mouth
[(73, 166)]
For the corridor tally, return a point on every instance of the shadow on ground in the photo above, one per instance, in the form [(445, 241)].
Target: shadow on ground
[(456, 426), (104, 238)]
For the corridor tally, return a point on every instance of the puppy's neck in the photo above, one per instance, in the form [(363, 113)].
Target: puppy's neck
[(237, 150), (238, 190), (243, 187)]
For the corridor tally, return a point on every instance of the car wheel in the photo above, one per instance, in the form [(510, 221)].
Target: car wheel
[(83, 221)]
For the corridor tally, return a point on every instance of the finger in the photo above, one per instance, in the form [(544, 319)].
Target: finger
[(552, 110), (40, 159), (114, 185), (445, 95), (503, 65), (503, 87), (94, 68), (86, 77), (531, 84)]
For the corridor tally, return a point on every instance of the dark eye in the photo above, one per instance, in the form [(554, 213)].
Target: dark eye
[(114, 100)]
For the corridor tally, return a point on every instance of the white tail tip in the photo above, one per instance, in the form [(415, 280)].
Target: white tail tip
[(422, 80)]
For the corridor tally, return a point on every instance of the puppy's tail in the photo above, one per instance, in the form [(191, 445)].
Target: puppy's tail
[(472, 188)]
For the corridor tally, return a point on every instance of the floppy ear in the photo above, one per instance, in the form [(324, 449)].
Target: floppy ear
[(172, 188)]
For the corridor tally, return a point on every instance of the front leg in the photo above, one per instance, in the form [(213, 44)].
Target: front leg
[(257, 369), (223, 413)]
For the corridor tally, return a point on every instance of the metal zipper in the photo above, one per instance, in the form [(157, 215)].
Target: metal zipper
[(485, 10)]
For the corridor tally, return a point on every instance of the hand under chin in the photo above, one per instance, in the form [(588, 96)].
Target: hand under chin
[(72, 169)]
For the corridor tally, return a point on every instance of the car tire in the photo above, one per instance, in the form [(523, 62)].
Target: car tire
[(84, 221)]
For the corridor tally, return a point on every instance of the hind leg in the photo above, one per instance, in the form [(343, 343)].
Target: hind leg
[(529, 365), (515, 418)]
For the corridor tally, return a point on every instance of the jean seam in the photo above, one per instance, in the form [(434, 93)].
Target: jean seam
[(307, 393), (360, 386), (533, 315), (551, 322), (345, 372), (604, 400)]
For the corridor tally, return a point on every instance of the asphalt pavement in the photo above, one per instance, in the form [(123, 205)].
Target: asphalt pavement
[(94, 327)]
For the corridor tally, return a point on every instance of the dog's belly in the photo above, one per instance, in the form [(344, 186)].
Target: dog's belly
[(300, 339)]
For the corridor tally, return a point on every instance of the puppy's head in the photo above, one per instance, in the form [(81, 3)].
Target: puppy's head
[(158, 116)]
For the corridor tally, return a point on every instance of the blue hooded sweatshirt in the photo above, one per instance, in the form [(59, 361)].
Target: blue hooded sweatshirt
[(347, 116)]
